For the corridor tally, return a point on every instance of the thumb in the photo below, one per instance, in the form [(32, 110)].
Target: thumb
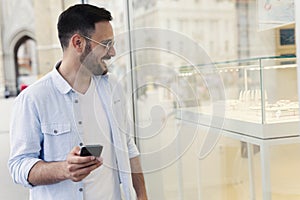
[(75, 150)]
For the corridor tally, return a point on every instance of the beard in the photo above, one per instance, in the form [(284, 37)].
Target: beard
[(94, 65)]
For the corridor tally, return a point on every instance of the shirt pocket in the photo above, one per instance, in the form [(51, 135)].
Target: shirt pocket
[(57, 140)]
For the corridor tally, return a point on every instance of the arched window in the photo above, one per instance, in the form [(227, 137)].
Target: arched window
[(25, 61)]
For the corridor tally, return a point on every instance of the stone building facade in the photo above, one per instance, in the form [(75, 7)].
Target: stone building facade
[(25, 20)]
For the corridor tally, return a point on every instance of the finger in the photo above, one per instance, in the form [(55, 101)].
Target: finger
[(76, 167), (78, 177), (81, 173), (80, 159), (100, 159), (88, 164), (75, 150)]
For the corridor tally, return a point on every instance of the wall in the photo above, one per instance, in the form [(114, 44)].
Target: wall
[(18, 22)]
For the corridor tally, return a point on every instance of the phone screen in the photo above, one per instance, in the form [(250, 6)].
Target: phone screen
[(91, 150)]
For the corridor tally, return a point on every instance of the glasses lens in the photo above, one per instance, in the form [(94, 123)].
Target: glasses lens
[(110, 44)]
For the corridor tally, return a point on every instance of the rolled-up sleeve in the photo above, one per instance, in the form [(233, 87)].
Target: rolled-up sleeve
[(25, 139), (132, 149)]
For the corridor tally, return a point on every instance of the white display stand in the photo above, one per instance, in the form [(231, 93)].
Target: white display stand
[(243, 123), (263, 135)]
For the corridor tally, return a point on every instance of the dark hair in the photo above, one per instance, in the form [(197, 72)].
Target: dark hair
[(80, 19)]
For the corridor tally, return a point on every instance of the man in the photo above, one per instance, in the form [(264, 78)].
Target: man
[(76, 104)]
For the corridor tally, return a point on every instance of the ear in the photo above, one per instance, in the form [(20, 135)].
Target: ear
[(77, 42)]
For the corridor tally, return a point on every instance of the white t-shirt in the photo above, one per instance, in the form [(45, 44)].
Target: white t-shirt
[(103, 182)]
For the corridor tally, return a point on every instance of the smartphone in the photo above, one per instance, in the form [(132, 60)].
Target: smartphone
[(91, 150)]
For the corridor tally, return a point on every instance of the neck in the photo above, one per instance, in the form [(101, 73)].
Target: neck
[(76, 75)]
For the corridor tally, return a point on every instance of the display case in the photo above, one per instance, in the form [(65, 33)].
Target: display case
[(252, 102), (254, 97)]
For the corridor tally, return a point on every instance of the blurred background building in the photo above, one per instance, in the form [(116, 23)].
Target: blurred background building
[(226, 29)]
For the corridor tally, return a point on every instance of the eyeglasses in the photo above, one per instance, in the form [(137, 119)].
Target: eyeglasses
[(107, 44)]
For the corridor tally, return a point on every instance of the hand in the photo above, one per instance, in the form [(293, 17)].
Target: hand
[(78, 167)]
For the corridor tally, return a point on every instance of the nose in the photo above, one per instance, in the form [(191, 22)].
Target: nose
[(112, 51)]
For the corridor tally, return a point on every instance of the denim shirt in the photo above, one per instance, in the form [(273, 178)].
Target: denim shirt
[(46, 125)]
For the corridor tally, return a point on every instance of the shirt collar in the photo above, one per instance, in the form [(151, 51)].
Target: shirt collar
[(60, 83)]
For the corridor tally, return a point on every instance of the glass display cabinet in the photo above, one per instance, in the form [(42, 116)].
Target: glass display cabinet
[(257, 97), (252, 101)]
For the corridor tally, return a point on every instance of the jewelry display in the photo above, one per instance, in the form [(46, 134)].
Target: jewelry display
[(255, 102)]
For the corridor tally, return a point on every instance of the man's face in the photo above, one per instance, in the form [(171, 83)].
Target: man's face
[(96, 55)]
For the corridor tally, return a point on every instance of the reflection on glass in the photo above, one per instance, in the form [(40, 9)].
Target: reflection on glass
[(206, 57)]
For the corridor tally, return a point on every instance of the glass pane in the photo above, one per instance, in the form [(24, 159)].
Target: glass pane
[(216, 64), (284, 161), (119, 64)]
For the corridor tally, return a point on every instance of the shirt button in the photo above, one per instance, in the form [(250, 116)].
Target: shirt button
[(55, 131), (80, 189), (80, 122), (76, 101)]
